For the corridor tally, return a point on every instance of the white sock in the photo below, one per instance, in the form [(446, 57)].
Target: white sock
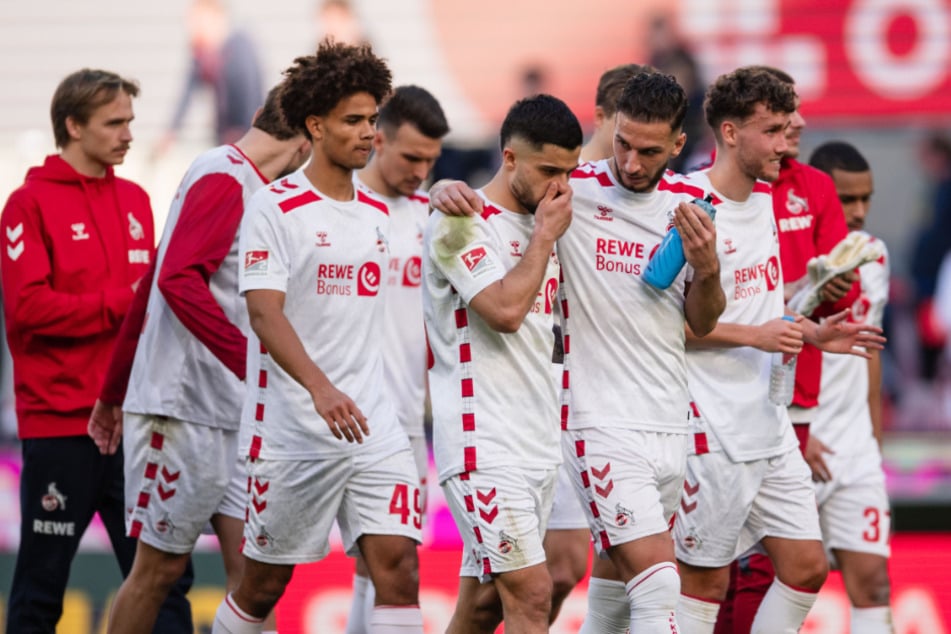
[(696, 616), (609, 611), (876, 620), (653, 595), (396, 619), (230, 619), (357, 619), (783, 609)]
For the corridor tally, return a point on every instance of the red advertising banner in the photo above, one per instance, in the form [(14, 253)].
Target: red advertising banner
[(318, 598)]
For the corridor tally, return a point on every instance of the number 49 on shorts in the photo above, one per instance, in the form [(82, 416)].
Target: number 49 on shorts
[(399, 505)]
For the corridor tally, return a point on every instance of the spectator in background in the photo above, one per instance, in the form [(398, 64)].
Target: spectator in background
[(337, 20), (931, 246), (224, 60), (670, 54), (78, 241)]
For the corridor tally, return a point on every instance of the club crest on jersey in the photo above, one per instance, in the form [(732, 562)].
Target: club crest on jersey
[(382, 244), (79, 231), (264, 539), (515, 244), (322, 240), (507, 543), (165, 525), (728, 242), (796, 204), (255, 262), (368, 279), (136, 232), (623, 516), (670, 220), (477, 261), (691, 541), (605, 213), (53, 499)]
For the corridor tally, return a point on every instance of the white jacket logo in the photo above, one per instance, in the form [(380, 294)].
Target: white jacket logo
[(79, 231), (135, 228), (16, 243)]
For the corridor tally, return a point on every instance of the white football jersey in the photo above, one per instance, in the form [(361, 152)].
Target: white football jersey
[(328, 257), (404, 336), (174, 374), (730, 385), (493, 395), (624, 339), (842, 419)]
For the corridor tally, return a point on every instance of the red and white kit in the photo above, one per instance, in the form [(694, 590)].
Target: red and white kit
[(328, 257), (495, 405), (853, 507), (189, 365), (745, 477), (625, 374), (404, 335)]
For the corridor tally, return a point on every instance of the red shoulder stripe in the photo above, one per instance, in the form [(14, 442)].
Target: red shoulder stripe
[(419, 198), (680, 187), (373, 202), (760, 187), (489, 211), (603, 179), (292, 203)]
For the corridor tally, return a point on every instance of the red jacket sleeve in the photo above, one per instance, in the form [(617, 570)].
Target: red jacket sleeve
[(202, 238), (116, 383), (32, 305)]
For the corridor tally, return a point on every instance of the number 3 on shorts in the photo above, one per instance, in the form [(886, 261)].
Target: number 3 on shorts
[(399, 505)]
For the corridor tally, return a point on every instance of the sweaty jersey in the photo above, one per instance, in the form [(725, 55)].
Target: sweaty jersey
[(730, 385), (404, 336), (624, 339), (842, 420), (328, 257), (189, 363), (493, 394)]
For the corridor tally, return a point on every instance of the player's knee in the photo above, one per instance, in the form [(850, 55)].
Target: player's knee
[(564, 578), (534, 598), (260, 595), (396, 579), (163, 572), (810, 572), (656, 589), (487, 611), (874, 588)]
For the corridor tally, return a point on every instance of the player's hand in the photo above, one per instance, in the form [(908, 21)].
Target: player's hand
[(816, 461), (836, 334), (838, 287), (699, 237), (105, 427), (454, 198), (553, 214), (780, 335), (340, 413)]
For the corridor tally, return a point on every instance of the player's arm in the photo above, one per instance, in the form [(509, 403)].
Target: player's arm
[(875, 393), (704, 301), (776, 335), (835, 334), (270, 324), (200, 241), (33, 305), (504, 303), (454, 198)]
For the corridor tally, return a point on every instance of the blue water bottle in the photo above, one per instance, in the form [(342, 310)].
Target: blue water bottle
[(669, 258)]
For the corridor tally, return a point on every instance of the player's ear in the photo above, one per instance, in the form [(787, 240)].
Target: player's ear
[(315, 126)]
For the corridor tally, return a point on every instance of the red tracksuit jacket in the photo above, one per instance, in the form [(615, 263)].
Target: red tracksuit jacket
[(72, 248)]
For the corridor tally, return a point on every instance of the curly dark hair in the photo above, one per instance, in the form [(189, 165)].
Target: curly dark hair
[(315, 84), (540, 120), (735, 95), (652, 96)]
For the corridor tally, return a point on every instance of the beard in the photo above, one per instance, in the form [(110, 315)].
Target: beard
[(524, 196), (652, 180)]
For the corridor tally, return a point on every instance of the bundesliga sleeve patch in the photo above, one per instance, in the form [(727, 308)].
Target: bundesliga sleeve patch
[(477, 261), (255, 262)]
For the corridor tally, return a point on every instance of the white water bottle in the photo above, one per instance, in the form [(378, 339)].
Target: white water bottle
[(782, 376)]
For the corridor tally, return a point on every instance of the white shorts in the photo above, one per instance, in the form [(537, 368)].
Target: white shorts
[(421, 459), (727, 507), (853, 508), (631, 479), (177, 475), (501, 515), (567, 511), (292, 504)]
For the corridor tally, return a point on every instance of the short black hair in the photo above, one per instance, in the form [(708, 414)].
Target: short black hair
[(838, 155), (735, 95), (611, 84), (315, 84), (416, 106), (778, 73), (540, 120), (652, 96), (270, 120)]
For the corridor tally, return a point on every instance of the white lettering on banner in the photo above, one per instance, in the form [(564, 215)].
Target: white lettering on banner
[(47, 527), (909, 76)]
